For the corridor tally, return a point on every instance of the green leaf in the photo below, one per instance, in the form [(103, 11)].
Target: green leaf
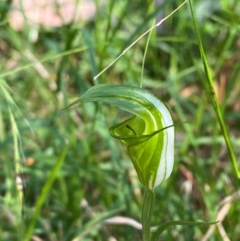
[(148, 135), (164, 226), (44, 193)]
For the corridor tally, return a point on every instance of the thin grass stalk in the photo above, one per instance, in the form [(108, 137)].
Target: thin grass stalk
[(214, 98), (145, 53), (44, 193)]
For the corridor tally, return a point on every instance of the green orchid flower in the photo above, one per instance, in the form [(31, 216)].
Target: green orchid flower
[(148, 135)]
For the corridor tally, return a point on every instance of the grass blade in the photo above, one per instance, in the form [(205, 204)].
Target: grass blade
[(214, 98), (44, 193)]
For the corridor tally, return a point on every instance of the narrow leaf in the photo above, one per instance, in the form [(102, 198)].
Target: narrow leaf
[(166, 225)]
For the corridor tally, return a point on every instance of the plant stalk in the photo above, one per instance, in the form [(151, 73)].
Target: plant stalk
[(148, 202), (211, 90)]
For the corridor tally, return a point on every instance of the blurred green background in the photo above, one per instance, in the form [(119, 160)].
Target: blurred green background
[(48, 58)]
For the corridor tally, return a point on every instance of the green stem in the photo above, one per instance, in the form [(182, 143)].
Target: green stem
[(214, 98), (145, 52), (148, 201)]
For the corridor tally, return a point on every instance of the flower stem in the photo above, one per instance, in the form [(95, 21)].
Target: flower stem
[(148, 201)]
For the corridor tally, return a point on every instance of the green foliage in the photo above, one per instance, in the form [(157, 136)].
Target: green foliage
[(96, 181)]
